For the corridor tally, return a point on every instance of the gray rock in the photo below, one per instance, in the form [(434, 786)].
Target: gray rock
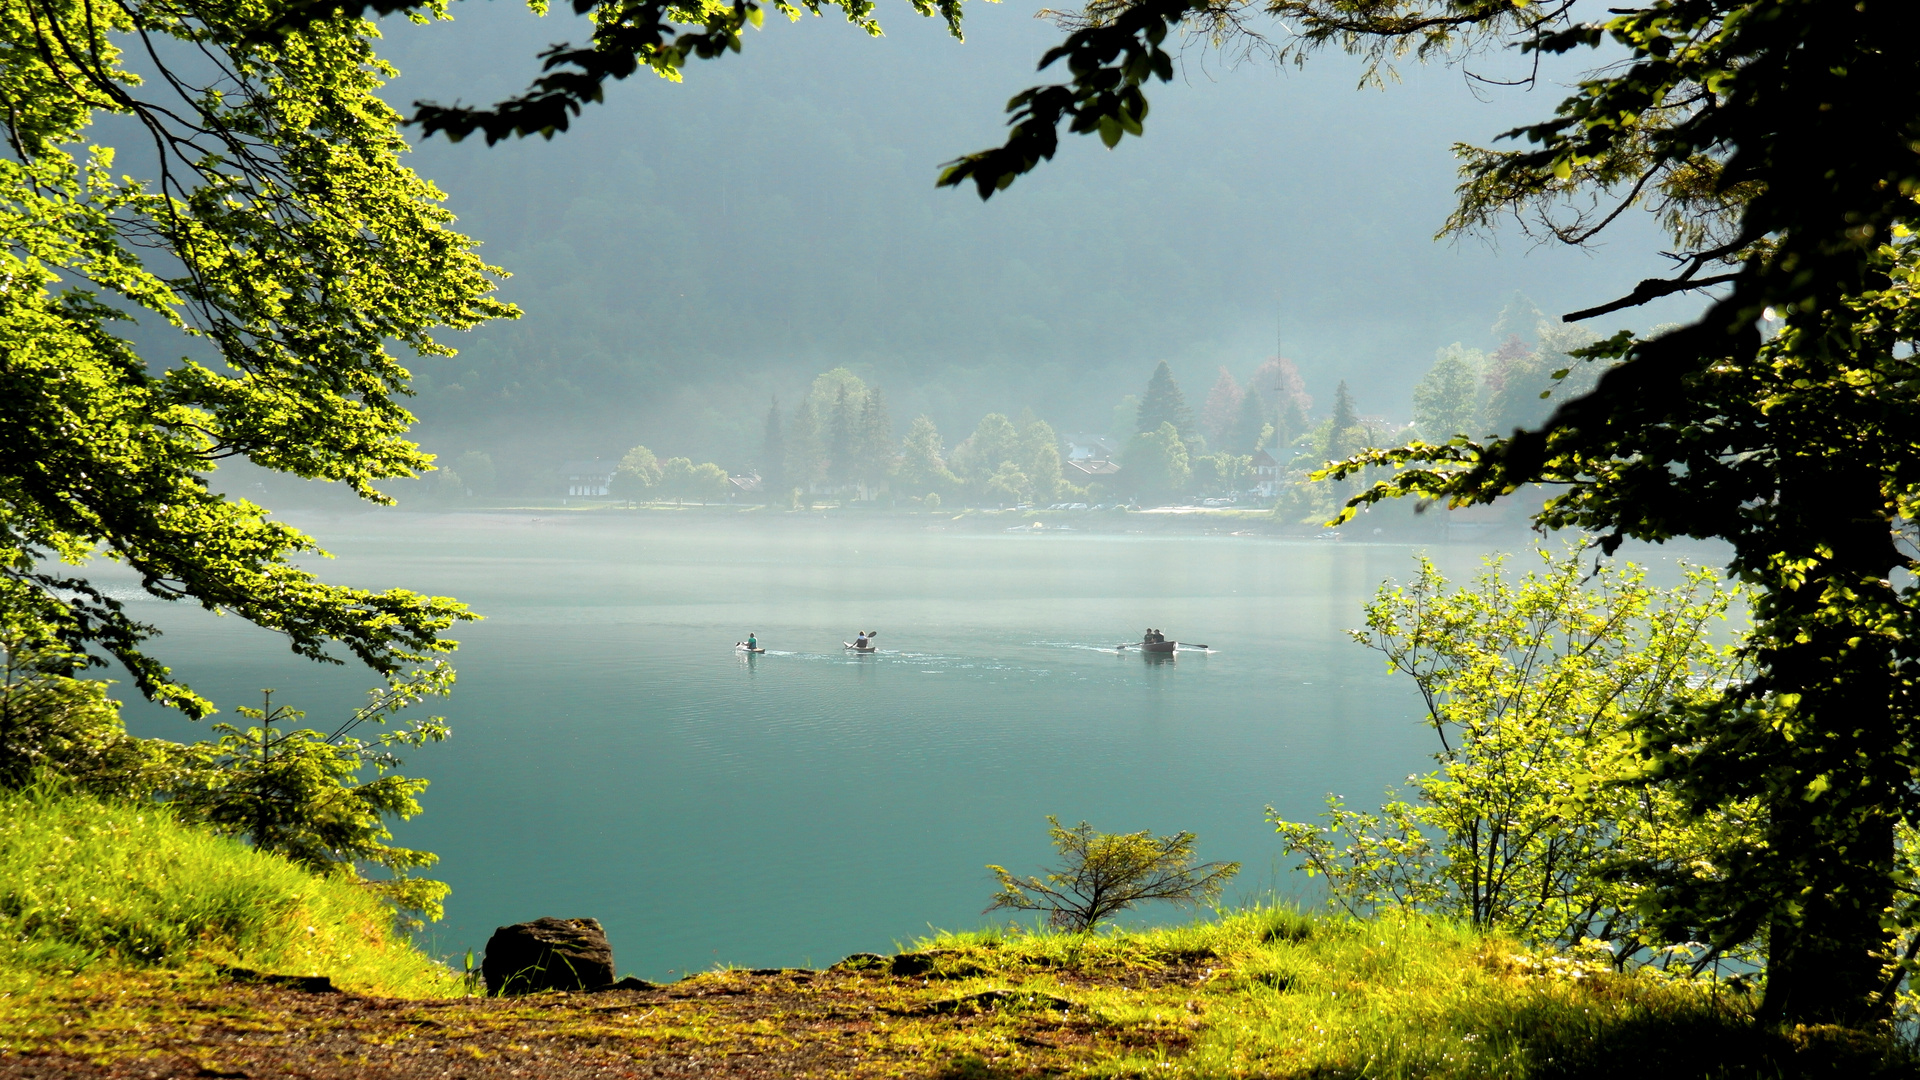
[(548, 954)]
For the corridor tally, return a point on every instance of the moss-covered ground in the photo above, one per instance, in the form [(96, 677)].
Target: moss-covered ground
[(1258, 994), (126, 943)]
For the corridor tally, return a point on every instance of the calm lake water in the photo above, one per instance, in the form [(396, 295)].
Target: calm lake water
[(614, 757)]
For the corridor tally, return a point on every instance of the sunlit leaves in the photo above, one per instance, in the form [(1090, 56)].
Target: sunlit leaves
[(282, 231), (1103, 874), (661, 36), (1536, 822)]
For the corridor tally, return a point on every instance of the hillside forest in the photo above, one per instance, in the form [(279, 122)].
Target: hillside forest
[(840, 440)]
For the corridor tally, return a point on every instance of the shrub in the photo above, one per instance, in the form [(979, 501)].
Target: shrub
[(299, 792), (1107, 873), (1536, 809)]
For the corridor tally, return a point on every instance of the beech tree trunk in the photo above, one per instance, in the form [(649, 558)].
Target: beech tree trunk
[(1826, 963), (1836, 785)]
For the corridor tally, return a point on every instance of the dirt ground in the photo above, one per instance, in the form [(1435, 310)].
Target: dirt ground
[(722, 1025)]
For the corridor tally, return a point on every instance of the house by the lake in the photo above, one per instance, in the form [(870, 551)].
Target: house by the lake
[(588, 477), (1266, 474)]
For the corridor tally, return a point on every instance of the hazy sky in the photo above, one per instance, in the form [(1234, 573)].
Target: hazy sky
[(688, 249)]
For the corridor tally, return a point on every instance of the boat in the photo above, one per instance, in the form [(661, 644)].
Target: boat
[(1157, 646), (743, 648), (857, 648)]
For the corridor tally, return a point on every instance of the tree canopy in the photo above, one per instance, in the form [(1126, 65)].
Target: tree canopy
[(1773, 139), (280, 236), (1163, 403)]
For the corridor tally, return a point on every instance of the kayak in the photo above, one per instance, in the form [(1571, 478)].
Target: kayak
[(857, 648), (743, 648)]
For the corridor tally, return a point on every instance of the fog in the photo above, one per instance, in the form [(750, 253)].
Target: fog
[(689, 250)]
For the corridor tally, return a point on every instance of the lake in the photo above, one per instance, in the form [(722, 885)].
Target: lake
[(613, 756)]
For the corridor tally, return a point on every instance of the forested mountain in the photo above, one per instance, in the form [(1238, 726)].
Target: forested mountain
[(689, 250)]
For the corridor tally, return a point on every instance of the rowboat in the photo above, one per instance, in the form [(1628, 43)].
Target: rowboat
[(1157, 646)]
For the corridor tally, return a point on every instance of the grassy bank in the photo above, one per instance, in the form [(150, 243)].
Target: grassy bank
[(117, 922), (87, 886)]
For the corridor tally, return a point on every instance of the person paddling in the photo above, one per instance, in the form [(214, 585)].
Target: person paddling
[(753, 643), (860, 640)]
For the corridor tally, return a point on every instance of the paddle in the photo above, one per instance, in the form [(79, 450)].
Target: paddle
[(1191, 645)]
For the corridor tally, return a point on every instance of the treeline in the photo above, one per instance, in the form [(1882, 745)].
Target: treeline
[(839, 440), (1465, 392), (641, 475), (1468, 392)]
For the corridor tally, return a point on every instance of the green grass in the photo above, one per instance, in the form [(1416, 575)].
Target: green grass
[(86, 885), (113, 919), (1273, 992)]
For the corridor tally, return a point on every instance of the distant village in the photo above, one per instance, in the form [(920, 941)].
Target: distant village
[(1249, 444), (837, 445)]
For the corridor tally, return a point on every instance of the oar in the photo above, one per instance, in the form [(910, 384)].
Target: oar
[(1125, 645), (1191, 645)]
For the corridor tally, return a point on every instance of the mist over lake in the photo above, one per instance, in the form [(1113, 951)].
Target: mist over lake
[(613, 756)]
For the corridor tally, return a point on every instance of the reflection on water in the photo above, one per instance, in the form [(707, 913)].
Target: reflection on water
[(614, 756)]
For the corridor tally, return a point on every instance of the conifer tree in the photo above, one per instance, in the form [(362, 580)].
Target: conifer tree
[(843, 435), (1244, 437), (1344, 418), (773, 452), (1163, 403), (1292, 420), (875, 451), (804, 452)]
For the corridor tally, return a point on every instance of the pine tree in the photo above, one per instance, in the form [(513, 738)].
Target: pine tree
[(875, 448), (1222, 413), (1521, 317), (773, 453), (843, 433), (804, 452), (1163, 403), (1244, 437), (1346, 437), (1293, 421)]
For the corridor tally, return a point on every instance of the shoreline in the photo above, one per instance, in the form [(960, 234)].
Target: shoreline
[(1389, 525)]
